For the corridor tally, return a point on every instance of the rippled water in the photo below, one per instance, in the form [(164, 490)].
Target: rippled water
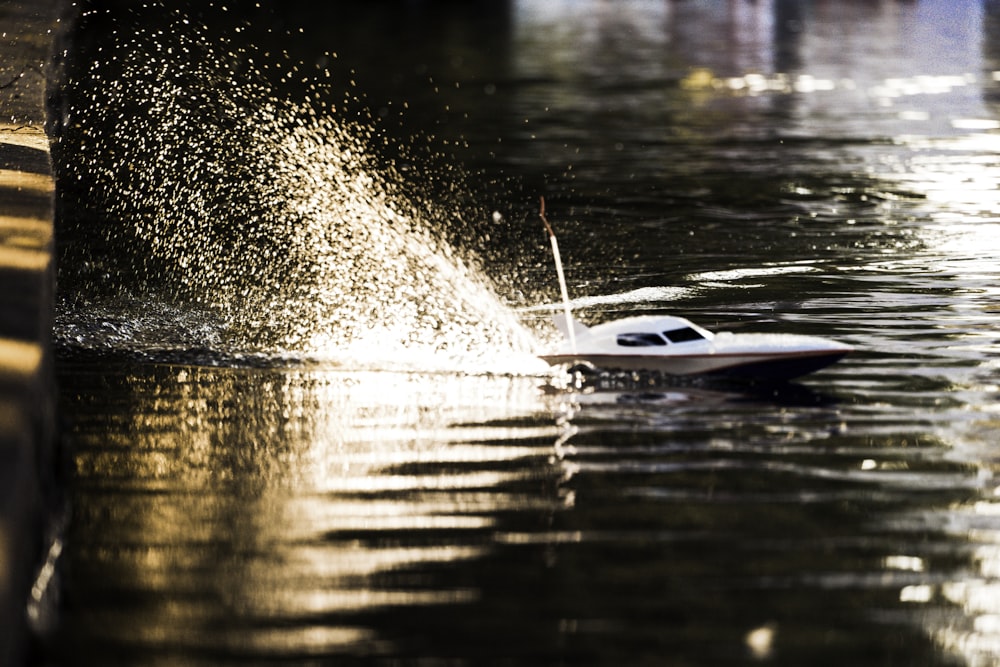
[(823, 168)]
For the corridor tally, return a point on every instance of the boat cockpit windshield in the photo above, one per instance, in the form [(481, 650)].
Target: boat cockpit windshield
[(650, 339), (683, 335), (640, 340)]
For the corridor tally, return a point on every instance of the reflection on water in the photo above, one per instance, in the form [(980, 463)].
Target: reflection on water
[(823, 168), (268, 512), (262, 515)]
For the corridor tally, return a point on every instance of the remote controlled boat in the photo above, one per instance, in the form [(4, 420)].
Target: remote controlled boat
[(676, 346)]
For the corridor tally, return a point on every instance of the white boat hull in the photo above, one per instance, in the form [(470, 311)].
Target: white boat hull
[(644, 344), (774, 366)]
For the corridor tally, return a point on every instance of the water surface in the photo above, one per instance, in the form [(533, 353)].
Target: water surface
[(293, 443)]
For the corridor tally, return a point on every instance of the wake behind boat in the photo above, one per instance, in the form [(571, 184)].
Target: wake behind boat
[(676, 346)]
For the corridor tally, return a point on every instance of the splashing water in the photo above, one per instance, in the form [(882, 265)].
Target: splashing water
[(273, 223)]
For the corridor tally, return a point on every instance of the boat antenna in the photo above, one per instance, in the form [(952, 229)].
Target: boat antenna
[(571, 334)]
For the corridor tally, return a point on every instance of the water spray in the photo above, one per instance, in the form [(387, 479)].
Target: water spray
[(286, 230)]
